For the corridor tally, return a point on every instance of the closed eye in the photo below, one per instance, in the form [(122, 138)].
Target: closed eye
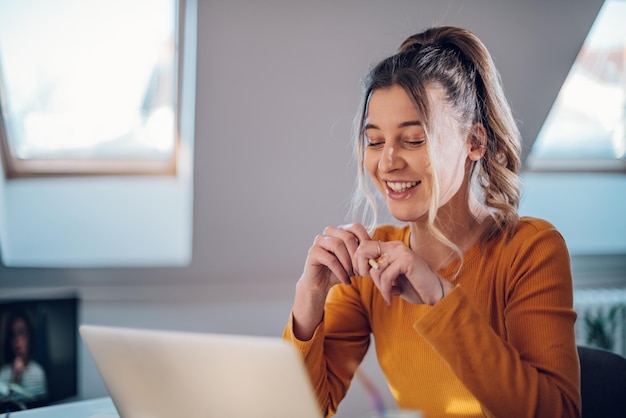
[(372, 143), (375, 144), (415, 144)]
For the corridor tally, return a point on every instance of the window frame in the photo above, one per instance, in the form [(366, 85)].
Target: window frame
[(580, 164), (575, 165), (15, 167)]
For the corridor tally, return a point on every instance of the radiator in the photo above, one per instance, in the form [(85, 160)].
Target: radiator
[(601, 318)]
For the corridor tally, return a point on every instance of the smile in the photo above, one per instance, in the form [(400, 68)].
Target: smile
[(402, 186)]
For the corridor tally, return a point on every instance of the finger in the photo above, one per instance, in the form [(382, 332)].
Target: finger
[(390, 273), (321, 257), (376, 270), (350, 240), (398, 285), (337, 246), (359, 231), (373, 263), (376, 274), (369, 250), (379, 262), (358, 234), (385, 280), (383, 287)]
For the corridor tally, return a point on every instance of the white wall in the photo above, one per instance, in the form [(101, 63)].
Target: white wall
[(588, 209)]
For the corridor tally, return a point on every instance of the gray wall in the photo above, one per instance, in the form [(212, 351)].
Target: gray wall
[(277, 88)]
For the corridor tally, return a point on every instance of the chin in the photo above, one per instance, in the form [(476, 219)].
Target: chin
[(408, 210), (409, 214), (409, 217)]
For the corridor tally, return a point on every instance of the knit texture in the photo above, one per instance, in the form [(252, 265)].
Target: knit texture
[(500, 344)]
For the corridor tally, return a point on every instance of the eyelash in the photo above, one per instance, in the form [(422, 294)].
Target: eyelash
[(374, 144), (413, 144), (416, 143)]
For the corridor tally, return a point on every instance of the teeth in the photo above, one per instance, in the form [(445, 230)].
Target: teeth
[(400, 187)]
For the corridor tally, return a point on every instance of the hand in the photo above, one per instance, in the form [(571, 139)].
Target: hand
[(18, 369), (330, 259), (398, 271), (329, 262)]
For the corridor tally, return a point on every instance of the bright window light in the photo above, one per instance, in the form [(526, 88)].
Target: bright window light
[(89, 82), (586, 128)]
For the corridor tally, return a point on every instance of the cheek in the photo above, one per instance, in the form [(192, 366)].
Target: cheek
[(451, 154), (422, 163), (451, 174), (370, 161)]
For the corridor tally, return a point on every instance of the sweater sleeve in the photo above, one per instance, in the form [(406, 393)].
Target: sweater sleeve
[(532, 370), (332, 357)]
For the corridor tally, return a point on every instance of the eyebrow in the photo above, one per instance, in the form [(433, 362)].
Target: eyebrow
[(402, 125)]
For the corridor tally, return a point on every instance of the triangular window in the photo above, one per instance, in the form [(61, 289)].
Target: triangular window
[(586, 127)]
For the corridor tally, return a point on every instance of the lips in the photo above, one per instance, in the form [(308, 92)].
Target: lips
[(401, 186)]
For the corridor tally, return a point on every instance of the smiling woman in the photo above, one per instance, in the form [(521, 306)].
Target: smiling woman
[(97, 94), (462, 296)]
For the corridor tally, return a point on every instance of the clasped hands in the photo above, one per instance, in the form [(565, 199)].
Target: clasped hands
[(348, 250)]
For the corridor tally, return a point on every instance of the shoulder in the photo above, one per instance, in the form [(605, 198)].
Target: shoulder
[(34, 368), (390, 233), (533, 261), (527, 224), (529, 229), (532, 240)]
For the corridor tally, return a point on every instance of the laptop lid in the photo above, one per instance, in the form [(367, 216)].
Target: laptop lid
[(154, 374)]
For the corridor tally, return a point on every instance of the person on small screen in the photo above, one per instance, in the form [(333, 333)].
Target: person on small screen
[(20, 368), (470, 305)]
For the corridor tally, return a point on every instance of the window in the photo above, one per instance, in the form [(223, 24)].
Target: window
[(69, 221), (89, 87), (586, 128)]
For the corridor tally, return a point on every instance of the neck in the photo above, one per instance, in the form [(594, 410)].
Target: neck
[(462, 227)]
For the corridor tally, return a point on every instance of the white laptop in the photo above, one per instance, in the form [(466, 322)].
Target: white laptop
[(166, 374)]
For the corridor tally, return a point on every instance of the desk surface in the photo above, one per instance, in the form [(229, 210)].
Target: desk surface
[(94, 408)]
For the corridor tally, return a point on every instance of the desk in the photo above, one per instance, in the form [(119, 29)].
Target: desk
[(96, 408)]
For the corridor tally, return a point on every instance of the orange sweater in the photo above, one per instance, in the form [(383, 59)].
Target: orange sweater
[(500, 344)]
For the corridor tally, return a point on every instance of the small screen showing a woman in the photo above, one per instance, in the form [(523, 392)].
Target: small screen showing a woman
[(22, 378)]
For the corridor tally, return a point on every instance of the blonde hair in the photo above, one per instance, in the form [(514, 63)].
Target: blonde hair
[(455, 60)]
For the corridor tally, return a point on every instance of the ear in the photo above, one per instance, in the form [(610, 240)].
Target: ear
[(477, 142)]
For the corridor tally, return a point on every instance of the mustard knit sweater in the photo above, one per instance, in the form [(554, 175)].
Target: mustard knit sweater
[(500, 344)]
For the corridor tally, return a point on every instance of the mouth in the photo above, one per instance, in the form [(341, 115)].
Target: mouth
[(401, 186)]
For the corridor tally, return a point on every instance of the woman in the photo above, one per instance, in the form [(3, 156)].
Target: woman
[(21, 369), (470, 305)]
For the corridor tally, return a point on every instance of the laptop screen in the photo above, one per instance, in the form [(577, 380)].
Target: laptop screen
[(152, 373)]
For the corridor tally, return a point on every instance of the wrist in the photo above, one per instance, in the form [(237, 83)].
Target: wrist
[(443, 292), (308, 311), (444, 287)]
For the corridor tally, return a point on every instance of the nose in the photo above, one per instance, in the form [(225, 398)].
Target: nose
[(390, 160)]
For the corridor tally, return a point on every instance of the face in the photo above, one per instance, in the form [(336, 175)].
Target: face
[(20, 338), (396, 155)]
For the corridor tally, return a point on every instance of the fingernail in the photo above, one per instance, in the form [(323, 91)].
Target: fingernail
[(373, 263)]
